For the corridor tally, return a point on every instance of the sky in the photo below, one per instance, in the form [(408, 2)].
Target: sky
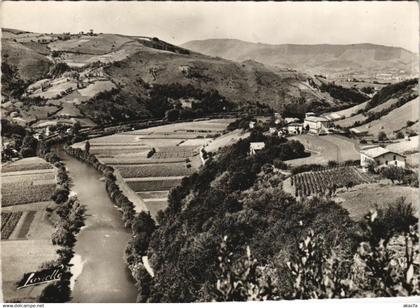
[(385, 23)]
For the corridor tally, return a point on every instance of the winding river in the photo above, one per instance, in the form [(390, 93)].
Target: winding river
[(101, 275)]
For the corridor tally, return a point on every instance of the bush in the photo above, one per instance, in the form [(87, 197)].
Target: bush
[(151, 152), (382, 136)]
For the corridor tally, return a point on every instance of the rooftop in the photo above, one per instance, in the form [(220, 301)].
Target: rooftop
[(316, 119), (257, 145), (377, 151)]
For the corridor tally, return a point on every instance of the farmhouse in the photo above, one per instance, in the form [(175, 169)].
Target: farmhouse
[(381, 157), (316, 125), (256, 146)]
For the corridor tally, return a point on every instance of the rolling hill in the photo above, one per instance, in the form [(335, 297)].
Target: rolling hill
[(393, 109), (103, 78), (359, 59)]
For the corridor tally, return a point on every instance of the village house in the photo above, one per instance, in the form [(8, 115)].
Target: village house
[(252, 124), (272, 130), (316, 125), (294, 128), (380, 157), (254, 147)]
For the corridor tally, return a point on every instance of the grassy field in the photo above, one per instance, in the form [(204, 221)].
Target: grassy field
[(27, 248), (360, 199), (20, 257), (32, 163), (159, 194), (394, 120), (349, 111), (326, 148)]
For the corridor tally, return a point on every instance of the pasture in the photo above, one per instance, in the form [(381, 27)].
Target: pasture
[(326, 148), (362, 198), (395, 120)]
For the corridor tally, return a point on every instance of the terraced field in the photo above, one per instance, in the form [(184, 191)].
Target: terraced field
[(25, 225), (176, 155)]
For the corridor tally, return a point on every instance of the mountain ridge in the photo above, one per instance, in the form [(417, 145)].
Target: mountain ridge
[(363, 59)]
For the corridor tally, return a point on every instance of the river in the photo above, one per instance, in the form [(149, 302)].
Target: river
[(102, 275)]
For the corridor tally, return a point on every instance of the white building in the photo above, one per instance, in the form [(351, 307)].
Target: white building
[(256, 146), (252, 124), (381, 157), (316, 125), (291, 120), (294, 128), (272, 130)]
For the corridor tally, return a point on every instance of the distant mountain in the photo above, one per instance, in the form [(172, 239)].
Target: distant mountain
[(355, 58), (103, 78)]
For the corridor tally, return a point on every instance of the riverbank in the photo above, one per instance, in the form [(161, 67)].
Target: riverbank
[(104, 276)]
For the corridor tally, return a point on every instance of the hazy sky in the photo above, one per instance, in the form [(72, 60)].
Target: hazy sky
[(386, 23)]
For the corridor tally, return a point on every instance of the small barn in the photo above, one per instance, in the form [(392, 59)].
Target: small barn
[(381, 157)]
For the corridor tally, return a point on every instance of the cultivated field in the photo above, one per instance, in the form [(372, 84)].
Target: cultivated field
[(150, 170), (176, 155), (318, 182), (25, 228)]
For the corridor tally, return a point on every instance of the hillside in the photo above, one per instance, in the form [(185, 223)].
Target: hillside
[(392, 109), (104, 78), (357, 59)]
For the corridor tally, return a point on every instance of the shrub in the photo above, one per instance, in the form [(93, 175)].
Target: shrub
[(382, 136), (151, 152), (393, 173)]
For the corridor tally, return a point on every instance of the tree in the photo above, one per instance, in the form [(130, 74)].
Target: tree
[(399, 135), (393, 173), (87, 146), (382, 136), (172, 115)]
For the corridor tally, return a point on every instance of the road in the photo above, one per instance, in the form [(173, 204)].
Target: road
[(325, 148), (102, 274)]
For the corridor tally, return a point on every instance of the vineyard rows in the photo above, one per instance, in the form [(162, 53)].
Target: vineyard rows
[(8, 223), (318, 182)]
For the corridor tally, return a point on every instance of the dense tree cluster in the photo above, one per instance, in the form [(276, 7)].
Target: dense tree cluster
[(390, 91), (350, 95), (165, 102), (227, 198)]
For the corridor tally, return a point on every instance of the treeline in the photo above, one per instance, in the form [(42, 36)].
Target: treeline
[(372, 116), (142, 225), (390, 91), (349, 95), (384, 264), (164, 102), (68, 218)]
